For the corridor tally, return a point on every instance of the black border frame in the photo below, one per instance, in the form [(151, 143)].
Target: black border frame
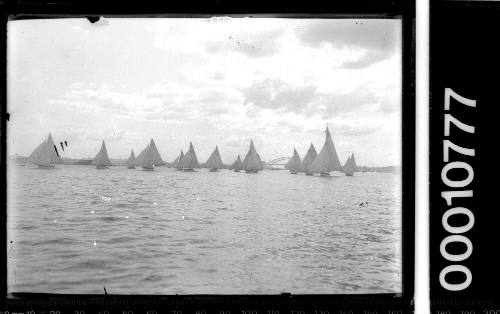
[(405, 10)]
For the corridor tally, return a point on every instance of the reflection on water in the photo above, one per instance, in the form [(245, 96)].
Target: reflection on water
[(76, 229)]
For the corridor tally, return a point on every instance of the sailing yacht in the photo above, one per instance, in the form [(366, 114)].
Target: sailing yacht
[(175, 163), (236, 166), (252, 162), (350, 166), (101, 160), (130, 161), (327, 159), (294, 163), (214, 162), (43, 158), (308, 160), (189, 162), (49, 142), (149, 158)]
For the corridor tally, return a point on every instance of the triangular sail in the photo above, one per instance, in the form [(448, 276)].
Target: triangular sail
[(54, 159), (43, 157), (175, 164), (189, 161), (214, 161), (131, 158), (155, 155), (327, 159), (101, 159), (308, 159), (294, 163), (149, 156), (252, 160), (52, 150), (353, 160), (176, 161), (350, 166), (237, 164), (34, 155)]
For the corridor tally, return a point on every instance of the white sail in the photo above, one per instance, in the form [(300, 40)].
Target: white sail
[(214, 161), (294, 163), (189, 161), (350, 166), (101, 159), (54, 158), (252, 159), (353, 161), (175, 164), (149, 156), (34, 155), (236, 165), (49, 142), (131, 158), (327, 159), (308, 159), (43, 157), (144, 159), (155, 155)]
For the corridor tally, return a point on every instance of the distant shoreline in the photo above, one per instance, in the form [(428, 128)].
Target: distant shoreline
[(121, 162)]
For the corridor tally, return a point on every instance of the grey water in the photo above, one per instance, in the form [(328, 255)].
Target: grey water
[(77, 229)]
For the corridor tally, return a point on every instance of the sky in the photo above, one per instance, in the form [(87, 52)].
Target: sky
[(215, 81)]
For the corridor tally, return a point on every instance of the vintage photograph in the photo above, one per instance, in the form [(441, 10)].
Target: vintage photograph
[(214, 155)]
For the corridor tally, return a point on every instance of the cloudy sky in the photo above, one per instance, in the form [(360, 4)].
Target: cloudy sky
[(218, 81)]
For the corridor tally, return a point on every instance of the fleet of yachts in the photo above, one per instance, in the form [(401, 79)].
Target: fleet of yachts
[(46, 156)]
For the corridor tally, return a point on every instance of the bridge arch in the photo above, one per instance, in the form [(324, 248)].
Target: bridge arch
[(278, 161)]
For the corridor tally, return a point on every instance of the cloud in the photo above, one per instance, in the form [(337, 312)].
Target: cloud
[(250, 44), (356, 128), (277, 81), (373, 40), (111, 134), (367, 58), (218, 76), (307, 100), (275, 93)]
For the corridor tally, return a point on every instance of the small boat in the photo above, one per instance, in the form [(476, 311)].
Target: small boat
[(189, 162), (252, 162), (350, 166), (101, 160), (294, 163), (327, 160), (236, 166), (306, 163), (149, 158), (130, 161), (214, 162)]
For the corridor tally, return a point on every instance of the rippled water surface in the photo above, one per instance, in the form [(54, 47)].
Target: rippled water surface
[(76, 229)]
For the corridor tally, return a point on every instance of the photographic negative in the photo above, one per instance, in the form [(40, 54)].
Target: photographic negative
[(216, 155)]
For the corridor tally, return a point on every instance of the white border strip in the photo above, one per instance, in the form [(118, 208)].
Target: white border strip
[(422, 302)]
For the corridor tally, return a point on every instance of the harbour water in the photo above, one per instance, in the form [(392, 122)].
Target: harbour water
[(77, 229)]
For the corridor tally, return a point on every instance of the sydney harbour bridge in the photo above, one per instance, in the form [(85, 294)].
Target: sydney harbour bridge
[(277, 162)]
